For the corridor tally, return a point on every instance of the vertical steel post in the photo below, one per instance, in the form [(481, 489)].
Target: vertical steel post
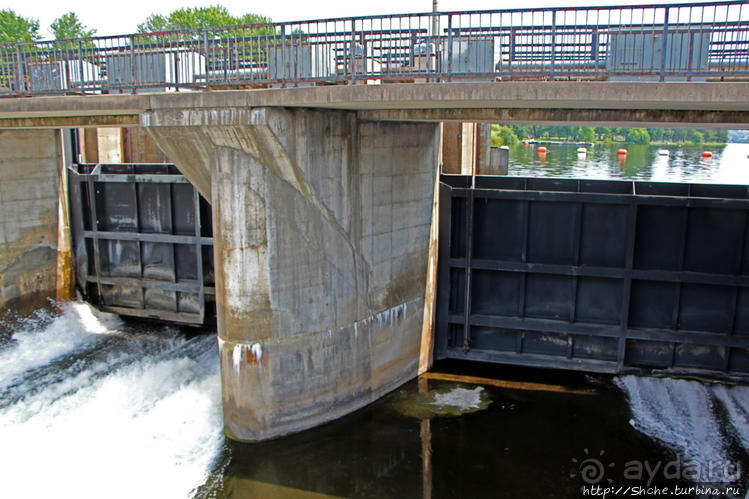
[(208, 62), (553, 42), (19, 75), (199, 255), (449, 46), (80, 65), (283, 55), (353, 52), (664, 44), (469, 263), (132, 64), (95, 229)]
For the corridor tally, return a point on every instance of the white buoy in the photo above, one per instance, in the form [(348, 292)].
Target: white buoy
[(663, 152), (582, 150)]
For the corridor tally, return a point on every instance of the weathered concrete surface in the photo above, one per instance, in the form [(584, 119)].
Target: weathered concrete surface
[(29, 180), (724, 103), (653, 118), (321, 242), (139, 147), (109, 144)]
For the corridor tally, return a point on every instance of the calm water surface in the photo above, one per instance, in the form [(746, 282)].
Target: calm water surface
[(729, 164), (91, 406)]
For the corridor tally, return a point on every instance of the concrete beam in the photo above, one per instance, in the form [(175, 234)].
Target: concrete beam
[(56, 122), (571, 95), (74, 105), (321, 242), (726, 96), (588, 117)]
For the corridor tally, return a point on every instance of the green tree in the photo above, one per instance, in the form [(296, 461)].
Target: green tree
[(196, 18), (522, 131), (637, 136), (243, 43), (695, 136), (603, 133), (68, 27), (503, 136), (587, 134), (15, 28)]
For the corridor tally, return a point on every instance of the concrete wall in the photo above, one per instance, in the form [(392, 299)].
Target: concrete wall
[(109, 145), (321, 241), (29, 180)]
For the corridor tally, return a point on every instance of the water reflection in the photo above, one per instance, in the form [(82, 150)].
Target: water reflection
[(528, 442), (729, 164)]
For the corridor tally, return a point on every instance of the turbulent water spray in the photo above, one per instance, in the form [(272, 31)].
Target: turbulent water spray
[(102, 412), (683, 415), (736, 402)]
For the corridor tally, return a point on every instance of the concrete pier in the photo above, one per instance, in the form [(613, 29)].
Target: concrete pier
[(321, 240), (29, 190)]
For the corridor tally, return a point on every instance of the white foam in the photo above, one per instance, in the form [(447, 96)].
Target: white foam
[(129, 416), (462, 398), (152, 428), (736, 402), (76, 326), (680, 414)]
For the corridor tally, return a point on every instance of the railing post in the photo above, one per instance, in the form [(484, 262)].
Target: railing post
[(432, 68), (19, 69), (80, 66), (449, 46), (132, 63), (283, 55), (594, 48), (353, 52), (665, 45), (553, 42), (208, 62)]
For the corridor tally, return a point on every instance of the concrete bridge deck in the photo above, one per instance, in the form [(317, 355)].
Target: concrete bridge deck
[(718, 104)]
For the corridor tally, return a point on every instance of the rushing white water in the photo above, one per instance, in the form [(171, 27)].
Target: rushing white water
[(735, 399), (90, 411), (684, 415), (78, 325)]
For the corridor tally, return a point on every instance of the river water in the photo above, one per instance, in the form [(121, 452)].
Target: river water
[(728, 165), (91, 406), (94, 406)]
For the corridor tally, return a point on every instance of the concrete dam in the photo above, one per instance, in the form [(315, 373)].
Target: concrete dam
[(343, 238)]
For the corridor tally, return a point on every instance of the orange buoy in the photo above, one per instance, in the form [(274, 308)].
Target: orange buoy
[(621, 152), (542, 149), (707, 154)]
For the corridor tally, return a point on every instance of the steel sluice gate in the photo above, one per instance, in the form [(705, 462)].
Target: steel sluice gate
[(142, 241), (606, 276)]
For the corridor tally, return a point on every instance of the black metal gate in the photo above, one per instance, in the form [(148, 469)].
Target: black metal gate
[(606, 276), (142, 241)]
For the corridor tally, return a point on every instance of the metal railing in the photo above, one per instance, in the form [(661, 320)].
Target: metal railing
[(654, 42)]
